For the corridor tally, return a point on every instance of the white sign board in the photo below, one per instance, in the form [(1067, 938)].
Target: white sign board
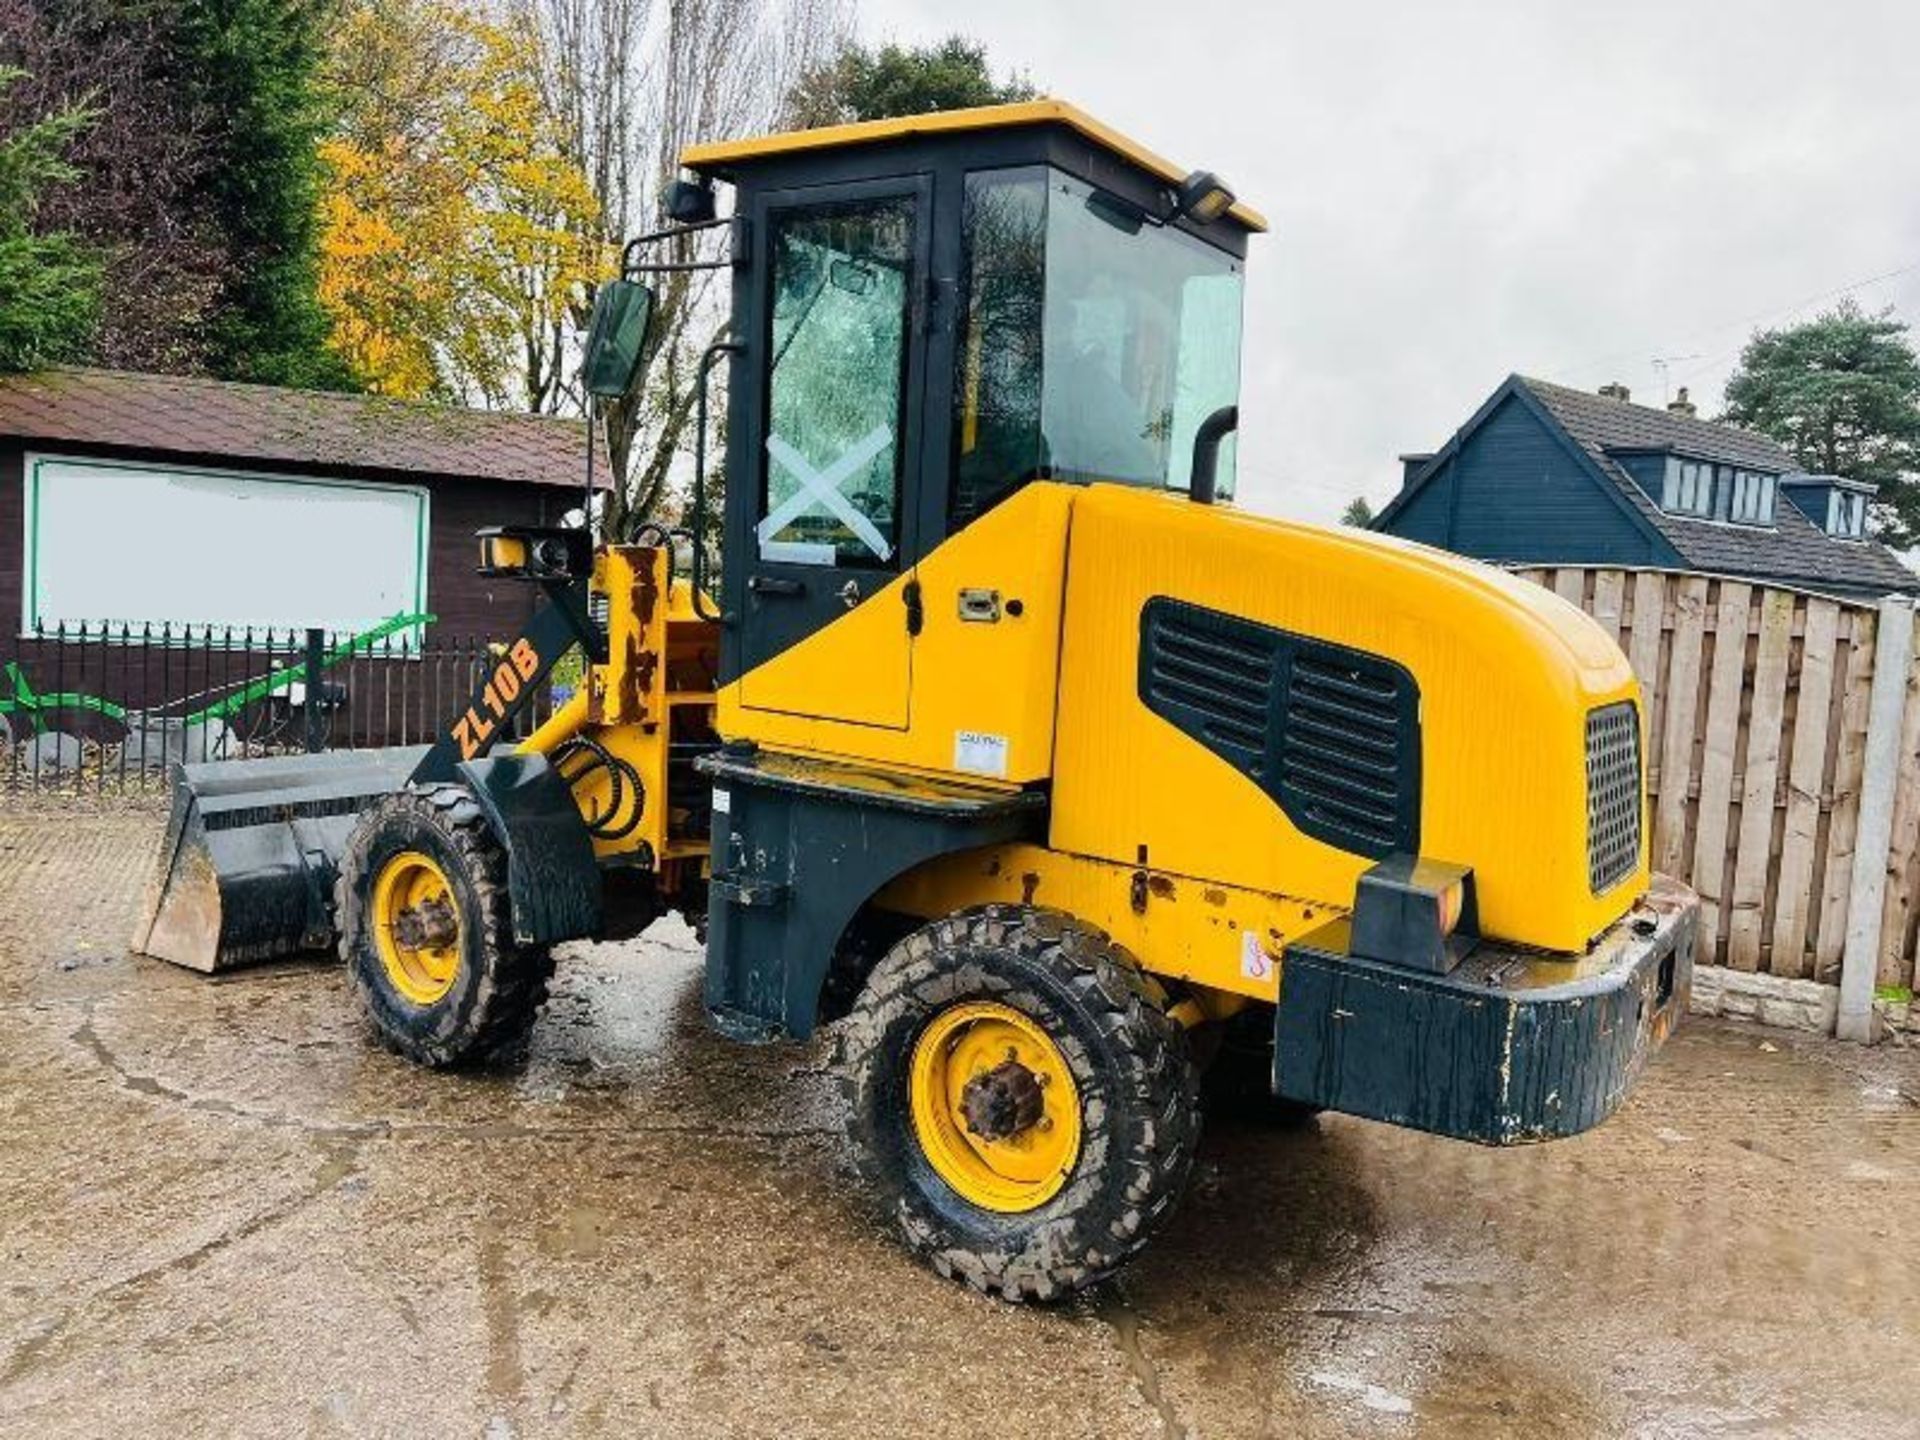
[(133, 544)]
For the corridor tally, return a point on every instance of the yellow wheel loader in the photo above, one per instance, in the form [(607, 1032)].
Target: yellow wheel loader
[(999, 736)]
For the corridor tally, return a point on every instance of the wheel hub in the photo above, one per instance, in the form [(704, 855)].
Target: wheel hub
[(994, 1105), (416, 927), (430, 925), (1002, 1102)]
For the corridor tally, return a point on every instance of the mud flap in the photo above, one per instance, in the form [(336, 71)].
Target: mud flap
[(799, 845), (553, 880), (1509, 1047)]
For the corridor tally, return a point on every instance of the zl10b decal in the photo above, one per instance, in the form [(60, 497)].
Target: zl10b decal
[(473, 730)]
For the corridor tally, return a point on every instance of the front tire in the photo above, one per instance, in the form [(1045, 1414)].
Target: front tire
[(425, 930), (1020, 1099)]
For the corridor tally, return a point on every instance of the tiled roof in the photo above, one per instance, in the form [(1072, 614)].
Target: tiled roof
[(218, 418), (1599, 422), (1793, 550)]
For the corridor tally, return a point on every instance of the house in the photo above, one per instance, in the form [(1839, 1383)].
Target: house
[(152, 500), (1544, 474)]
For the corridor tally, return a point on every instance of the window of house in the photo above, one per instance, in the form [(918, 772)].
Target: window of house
[(1847, 514), (1689, 488), (1752, 502), (261, 551)]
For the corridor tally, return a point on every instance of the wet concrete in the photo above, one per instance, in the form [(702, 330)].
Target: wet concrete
[(222, 1211)]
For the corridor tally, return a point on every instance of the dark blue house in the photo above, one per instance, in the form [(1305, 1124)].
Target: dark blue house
[(1543, 474)]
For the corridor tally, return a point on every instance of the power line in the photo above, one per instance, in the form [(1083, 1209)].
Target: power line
[(1754, 319)]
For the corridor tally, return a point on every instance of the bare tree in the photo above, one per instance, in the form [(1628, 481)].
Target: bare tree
[(635, 82)]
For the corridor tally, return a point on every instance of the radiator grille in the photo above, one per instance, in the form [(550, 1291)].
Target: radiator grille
[(1341, 746), (1613, 795), (1332, 734)]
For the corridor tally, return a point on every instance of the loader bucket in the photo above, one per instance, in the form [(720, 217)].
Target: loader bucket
[(246, 868)]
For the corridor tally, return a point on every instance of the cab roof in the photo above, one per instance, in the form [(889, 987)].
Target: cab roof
[(721, 157)]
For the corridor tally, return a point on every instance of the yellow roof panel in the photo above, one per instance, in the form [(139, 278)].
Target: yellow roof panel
[(723, 154)]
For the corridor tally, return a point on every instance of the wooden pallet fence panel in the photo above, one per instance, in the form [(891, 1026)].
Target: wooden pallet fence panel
[(1609, 600), (1681, 682), (1896, 964), (1757, 705), (1712, 869), (1643, 652), (1843, 820), (1746, 908), (1793, 879)]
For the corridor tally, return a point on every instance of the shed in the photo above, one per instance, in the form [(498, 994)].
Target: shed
[(130, 499)]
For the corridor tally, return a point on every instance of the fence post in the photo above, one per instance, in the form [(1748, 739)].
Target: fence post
[(316, 653), (1873, 842)]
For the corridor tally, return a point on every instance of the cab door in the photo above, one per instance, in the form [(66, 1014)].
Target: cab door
[(840, 363)]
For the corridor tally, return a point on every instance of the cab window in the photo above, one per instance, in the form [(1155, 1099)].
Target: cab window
[(1093, 340), (837, 353)]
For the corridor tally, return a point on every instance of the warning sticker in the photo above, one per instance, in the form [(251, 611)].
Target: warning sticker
[(722, 801), (1254, 961), (979, 753)]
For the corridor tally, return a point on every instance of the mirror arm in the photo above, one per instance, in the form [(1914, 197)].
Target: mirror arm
[(586, 508), (699, 577), (630, 265)]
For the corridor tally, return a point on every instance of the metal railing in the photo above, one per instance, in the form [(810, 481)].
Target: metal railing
[(100, 708)]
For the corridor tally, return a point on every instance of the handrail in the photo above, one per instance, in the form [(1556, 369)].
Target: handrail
[(712, 353)]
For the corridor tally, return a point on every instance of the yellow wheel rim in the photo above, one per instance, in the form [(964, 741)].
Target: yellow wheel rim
[(416, 927), (1023, 1160)]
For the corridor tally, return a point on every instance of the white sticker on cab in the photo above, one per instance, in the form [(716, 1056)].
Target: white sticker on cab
[(979, 753), (722, 801), (1254, 963)]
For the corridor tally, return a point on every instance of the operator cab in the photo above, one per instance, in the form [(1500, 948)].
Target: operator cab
[(930, 312)]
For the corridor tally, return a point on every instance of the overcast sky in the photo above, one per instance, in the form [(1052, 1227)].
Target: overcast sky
[(1459, 191)]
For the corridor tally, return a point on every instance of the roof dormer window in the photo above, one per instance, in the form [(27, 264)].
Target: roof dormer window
[(1752, 500), (1688, 489), (1847, 514), (1701, 490)]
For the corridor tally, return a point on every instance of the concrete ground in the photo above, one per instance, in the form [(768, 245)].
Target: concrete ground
[(223, 1212)]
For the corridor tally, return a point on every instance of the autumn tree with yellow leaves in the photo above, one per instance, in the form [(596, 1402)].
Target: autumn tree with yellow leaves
[(461, 239), (490, 159)]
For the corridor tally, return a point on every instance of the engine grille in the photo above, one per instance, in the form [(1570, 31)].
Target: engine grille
[(1613, 795), (1331, 733)]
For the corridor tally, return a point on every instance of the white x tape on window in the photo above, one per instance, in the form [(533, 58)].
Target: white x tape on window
[(822, 486)]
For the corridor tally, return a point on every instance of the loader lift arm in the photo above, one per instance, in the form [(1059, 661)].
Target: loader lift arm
[(560, 562)]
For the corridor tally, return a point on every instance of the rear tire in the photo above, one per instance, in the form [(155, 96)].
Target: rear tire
[(470, 1000), (1121, 1057)]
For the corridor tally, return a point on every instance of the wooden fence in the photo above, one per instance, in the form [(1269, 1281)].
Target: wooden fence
[(1759, 702)]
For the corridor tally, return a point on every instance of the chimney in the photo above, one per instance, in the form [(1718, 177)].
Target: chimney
[(1680, 405), (1614, 390)]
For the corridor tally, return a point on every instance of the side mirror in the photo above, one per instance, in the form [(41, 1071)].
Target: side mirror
[(616, 337), (690, 202)]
